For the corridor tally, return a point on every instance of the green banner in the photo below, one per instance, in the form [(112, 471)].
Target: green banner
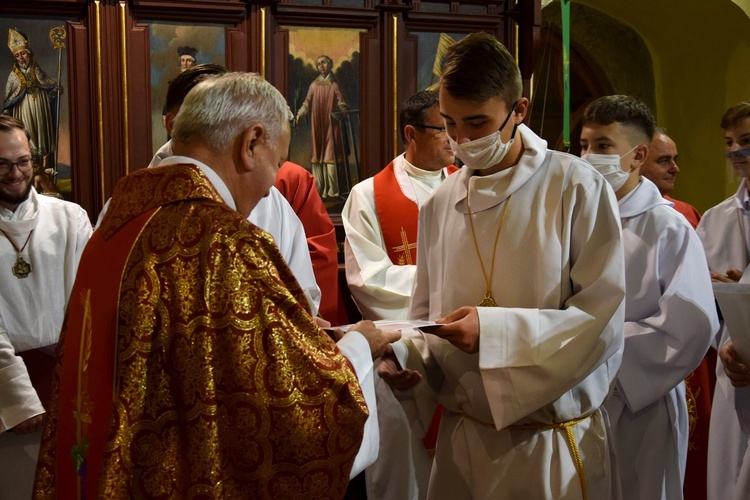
[(565, 6)]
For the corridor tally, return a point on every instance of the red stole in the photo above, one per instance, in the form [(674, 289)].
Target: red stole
[(398, 216), (87, 383)]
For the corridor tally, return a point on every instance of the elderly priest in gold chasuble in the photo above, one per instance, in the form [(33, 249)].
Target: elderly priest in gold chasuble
[(189, 364)]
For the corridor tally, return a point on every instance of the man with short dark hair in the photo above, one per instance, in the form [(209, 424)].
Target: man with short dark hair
[(380, 219), (519, 256), (380, 215), (192, 366), (670, 317), (41, 241)]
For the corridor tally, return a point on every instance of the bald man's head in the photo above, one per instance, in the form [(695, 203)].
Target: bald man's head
[(660, 166)]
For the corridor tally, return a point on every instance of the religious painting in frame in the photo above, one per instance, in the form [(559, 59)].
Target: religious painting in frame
[(174, 48), (324, 96), (431, 49), (34, 74)]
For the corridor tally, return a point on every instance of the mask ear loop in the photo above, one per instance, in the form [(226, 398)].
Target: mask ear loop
[(512, 108), (513, 134)]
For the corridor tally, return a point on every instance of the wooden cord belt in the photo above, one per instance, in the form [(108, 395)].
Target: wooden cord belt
[(567, 426)]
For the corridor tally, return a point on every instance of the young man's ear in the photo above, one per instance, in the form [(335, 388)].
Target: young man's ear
[(639, 155), (520, 110)]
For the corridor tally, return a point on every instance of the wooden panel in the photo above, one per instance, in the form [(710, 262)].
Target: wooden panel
[(109, 129), (66, 8), (138, 89), (203, 11), (85, 178)]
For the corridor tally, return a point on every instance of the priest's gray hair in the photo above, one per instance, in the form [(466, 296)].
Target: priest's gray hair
[(220, 108)]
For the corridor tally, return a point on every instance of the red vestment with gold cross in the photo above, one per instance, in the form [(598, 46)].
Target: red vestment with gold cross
[(398, 216)]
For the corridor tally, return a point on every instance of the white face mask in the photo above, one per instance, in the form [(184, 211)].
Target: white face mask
[(609, 166), (485, 152)]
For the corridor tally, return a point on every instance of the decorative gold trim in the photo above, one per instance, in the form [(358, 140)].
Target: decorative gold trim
[(515, 35), (124, 68), (116, 354), (263, 42), (395, 85), (99, 99), (531, 88), (81, 412)]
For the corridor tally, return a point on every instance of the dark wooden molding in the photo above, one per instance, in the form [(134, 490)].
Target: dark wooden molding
[(204, 11), (329, 17), (108, 128), (139, 92), (376, 100), (529, 37), (64, 8), (394, 6), (84, 175), (241, 54)]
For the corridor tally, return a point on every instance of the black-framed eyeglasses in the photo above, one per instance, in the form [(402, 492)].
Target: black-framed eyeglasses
[(431, 127), (24, 165)]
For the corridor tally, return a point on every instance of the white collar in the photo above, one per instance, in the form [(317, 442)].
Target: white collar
[(419, 173), (644, 197), (743, 200), (24, 218), (212, 176)]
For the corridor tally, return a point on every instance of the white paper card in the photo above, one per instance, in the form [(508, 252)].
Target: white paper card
[(734, 302)]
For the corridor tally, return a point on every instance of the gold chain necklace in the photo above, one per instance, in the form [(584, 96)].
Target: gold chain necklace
[(21, 269), (488, 300)]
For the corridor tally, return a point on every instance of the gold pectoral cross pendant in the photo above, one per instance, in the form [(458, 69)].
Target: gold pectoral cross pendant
[(488, 300), (21, 268)]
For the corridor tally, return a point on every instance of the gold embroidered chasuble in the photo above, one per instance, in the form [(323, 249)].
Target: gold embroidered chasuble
[(189, 364)]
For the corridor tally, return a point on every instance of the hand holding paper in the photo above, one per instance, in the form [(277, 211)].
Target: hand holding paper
[(737, 371)]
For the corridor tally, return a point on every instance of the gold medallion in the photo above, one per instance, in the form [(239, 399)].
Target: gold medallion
[(488, 300), (21, 269)]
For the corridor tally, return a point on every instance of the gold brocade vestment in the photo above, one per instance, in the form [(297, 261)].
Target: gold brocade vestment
[(211, 378)]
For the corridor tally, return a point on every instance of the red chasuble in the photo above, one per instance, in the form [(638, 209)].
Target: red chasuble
[(298, 187), (188, 365), (398, 216)]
